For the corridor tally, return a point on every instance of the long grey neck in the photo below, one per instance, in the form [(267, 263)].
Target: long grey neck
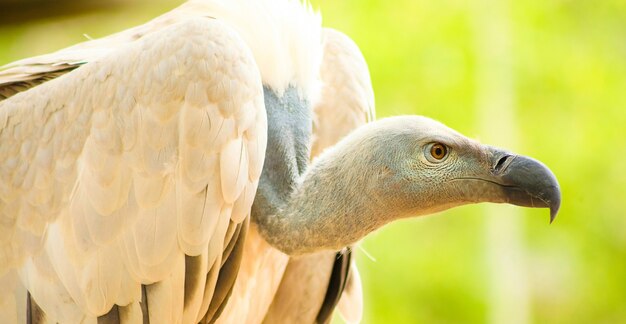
[(293, 210), (286, 158), (325, 212)]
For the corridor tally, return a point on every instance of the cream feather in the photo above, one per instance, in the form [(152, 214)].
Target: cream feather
[(129, 204), (302, 289)]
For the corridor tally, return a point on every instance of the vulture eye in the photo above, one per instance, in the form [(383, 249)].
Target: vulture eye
[(437, 152)]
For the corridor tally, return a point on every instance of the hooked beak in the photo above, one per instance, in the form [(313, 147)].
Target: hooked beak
[(512, 179), (526, 182)]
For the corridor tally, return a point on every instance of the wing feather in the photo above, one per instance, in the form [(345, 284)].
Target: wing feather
[(234, 169), (347, 98), (302, 289), (351, 302), (118, 171), (196, 225), (196, 269), (168, 296)]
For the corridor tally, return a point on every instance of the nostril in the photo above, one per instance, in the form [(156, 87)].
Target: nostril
[(502, 163)]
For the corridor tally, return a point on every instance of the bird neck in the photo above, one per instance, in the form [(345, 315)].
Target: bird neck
[(286, 157), (324, 212), (335, 203)]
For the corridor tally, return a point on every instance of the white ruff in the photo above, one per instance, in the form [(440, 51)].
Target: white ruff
[(284, 36)]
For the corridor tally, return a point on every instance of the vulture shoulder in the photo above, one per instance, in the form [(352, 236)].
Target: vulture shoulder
[(129, 180), (347, 97)]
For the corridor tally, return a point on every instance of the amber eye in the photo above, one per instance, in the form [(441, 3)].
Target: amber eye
[(438, 151)]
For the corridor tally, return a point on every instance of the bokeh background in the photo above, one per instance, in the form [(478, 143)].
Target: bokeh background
[(543, 78)]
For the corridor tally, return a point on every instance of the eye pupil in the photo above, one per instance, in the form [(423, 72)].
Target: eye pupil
[(438, 151)]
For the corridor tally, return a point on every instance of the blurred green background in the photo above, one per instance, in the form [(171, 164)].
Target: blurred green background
[(542, 78)]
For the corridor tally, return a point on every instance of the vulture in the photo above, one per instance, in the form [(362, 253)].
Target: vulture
[(216, 165)]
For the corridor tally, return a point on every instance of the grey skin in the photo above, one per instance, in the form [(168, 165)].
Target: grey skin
[(381, 172)]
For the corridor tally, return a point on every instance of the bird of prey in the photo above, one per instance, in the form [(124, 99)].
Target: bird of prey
[(216, 165)]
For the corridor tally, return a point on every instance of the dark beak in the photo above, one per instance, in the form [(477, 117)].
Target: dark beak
[(527, 182)]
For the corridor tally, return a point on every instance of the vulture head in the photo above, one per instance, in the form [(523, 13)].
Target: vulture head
[(419, 166), (402, 167)]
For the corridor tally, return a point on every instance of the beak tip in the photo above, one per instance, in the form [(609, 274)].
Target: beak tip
[(532, 184), (555, 206)]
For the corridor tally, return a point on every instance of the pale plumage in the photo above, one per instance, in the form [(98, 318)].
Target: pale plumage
[(92, 200), (149, 180)]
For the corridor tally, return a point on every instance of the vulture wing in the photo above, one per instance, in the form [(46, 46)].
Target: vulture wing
[(129, 180), (313, 285)]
